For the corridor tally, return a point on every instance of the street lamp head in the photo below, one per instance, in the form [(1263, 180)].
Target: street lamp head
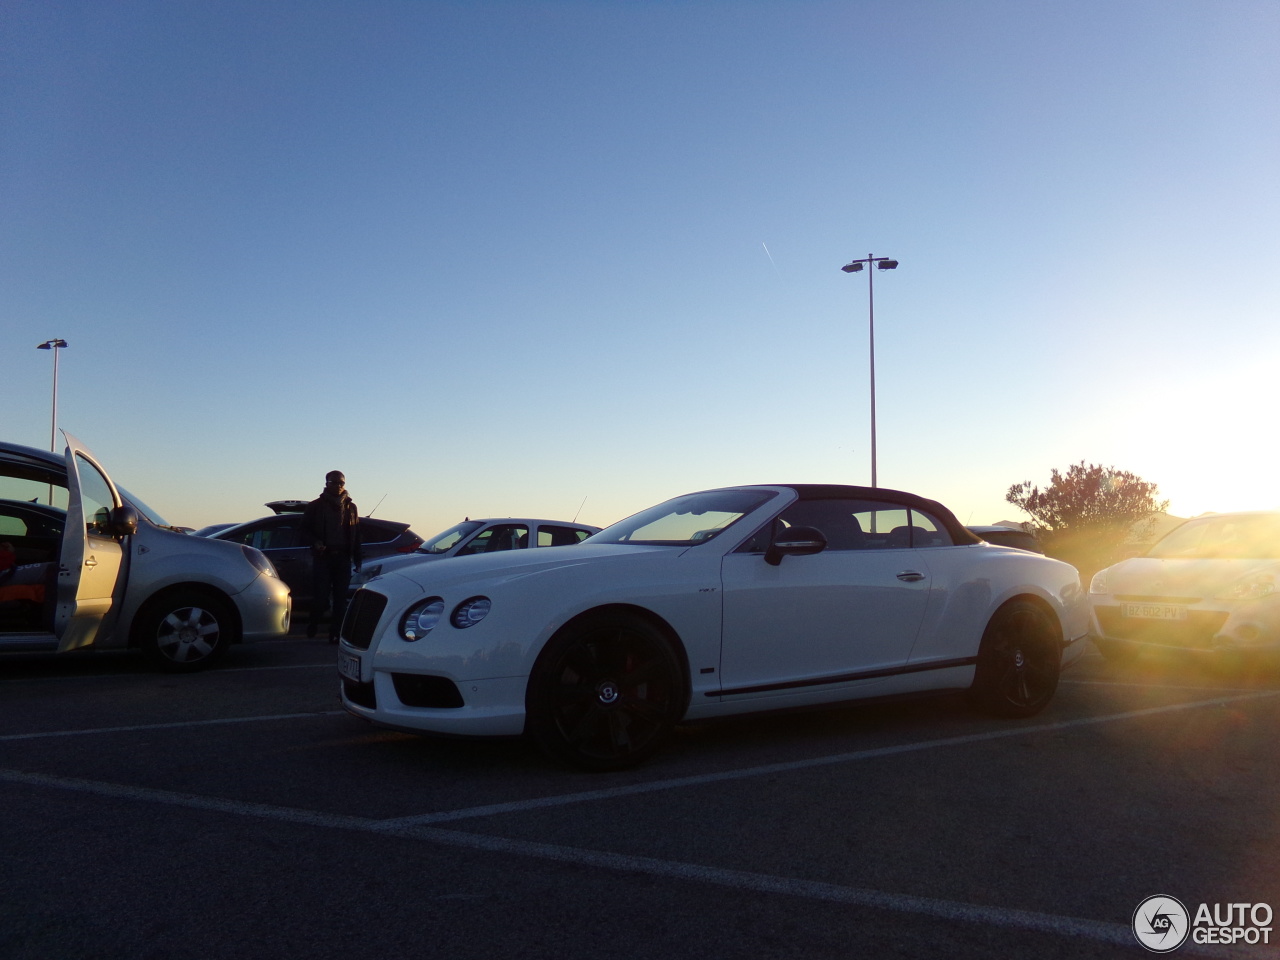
[(887, 265), (51, 344), (853, 267)]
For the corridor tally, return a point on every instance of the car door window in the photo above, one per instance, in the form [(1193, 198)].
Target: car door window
[(849, 524), (277, 537), (901, 528), (928, 532), (95, 494), (377, 531), (551, 536), (244, 535), (501, 536)]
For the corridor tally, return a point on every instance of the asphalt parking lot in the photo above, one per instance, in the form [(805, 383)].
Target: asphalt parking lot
[(241, 813)]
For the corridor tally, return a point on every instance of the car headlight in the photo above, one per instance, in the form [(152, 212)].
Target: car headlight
[(366, 573), (470, 612), (420, 618), (259, 561), (1099, 583), (1254, 587)]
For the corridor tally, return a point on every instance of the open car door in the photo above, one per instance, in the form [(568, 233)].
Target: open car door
[(92, 560)]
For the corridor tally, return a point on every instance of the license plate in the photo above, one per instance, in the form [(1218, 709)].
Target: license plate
[(1155, 611), (349, 667)]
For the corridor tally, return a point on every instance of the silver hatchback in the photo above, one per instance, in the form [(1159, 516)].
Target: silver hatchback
[(85, 565)]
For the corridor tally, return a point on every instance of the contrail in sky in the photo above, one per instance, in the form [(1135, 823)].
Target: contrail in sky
[(770, 256)]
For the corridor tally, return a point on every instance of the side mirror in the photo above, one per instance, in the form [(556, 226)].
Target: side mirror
[(124, 521), (794, 542)]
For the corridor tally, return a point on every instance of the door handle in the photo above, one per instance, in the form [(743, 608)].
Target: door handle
[(90, 561), (910, 576)]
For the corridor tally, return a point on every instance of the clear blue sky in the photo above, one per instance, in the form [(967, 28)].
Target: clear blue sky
[(494, 259)]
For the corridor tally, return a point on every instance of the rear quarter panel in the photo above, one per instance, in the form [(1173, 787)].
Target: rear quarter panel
[(969, 583)]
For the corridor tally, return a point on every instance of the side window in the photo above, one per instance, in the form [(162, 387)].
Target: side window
[(501, 536), (95, 494), (375, 531), (899, 528), (245, 536), (857, 525), (549, 536), (277, 537), (50, 489), (838, 520), (928, 532), (12, 527)]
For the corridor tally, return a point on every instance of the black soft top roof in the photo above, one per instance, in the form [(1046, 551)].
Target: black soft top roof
[(839, 491)]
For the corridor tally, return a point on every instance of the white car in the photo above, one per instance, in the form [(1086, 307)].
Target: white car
[(480, 536), (1209, 584), (86, 565), (723, 602)]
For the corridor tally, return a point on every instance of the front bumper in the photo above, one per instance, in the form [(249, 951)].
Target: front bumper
[(1221, 627), (490, 708), (265, 608)]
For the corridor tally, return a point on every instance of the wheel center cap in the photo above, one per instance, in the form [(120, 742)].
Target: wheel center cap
[(1018, 659), (607, 691)]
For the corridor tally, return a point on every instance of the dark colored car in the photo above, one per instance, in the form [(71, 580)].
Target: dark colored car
[(280, 537), (1009, 537)]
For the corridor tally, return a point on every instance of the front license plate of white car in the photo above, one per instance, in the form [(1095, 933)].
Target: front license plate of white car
[(349, 667), (1155, 611)]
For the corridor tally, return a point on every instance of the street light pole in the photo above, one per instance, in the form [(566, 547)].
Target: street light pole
[(855, 266), (55, 345)]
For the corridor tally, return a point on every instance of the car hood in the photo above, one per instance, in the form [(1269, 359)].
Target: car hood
[(396, 562), (1152, 577), (518, 564)]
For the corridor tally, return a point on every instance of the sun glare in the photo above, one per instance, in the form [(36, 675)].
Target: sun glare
[(1206, 444)]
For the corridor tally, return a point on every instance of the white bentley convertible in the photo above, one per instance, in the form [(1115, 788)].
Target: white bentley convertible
[(728, 601)]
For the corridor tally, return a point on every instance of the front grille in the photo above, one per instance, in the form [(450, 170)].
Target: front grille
[(363, 613), (1196, 632), (418, 690), (361, 694)]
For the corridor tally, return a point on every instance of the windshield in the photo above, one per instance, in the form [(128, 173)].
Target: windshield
[(449, 539), (695, 518), (143, 509), (1254, 536)]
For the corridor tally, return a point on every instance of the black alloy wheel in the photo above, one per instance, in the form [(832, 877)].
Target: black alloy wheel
[(186, 631), (604, 694), (1019, 661)]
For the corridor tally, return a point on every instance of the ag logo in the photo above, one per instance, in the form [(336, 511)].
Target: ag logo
[(1161, 924)]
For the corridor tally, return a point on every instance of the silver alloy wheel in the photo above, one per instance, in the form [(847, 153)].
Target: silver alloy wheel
[(188, 634), (187, 630)]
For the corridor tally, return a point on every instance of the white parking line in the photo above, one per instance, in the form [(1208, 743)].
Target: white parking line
[(1110, 933), (167, 726), (327, 665), (609, 793), (1156, 686)]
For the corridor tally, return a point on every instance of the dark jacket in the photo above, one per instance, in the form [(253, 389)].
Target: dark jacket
[(332, 525)]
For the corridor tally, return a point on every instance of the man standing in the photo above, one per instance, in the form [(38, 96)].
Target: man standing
[(332, 523)]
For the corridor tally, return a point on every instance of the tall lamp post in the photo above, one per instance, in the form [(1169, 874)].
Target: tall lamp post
[(855, 266), (55, 345)]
